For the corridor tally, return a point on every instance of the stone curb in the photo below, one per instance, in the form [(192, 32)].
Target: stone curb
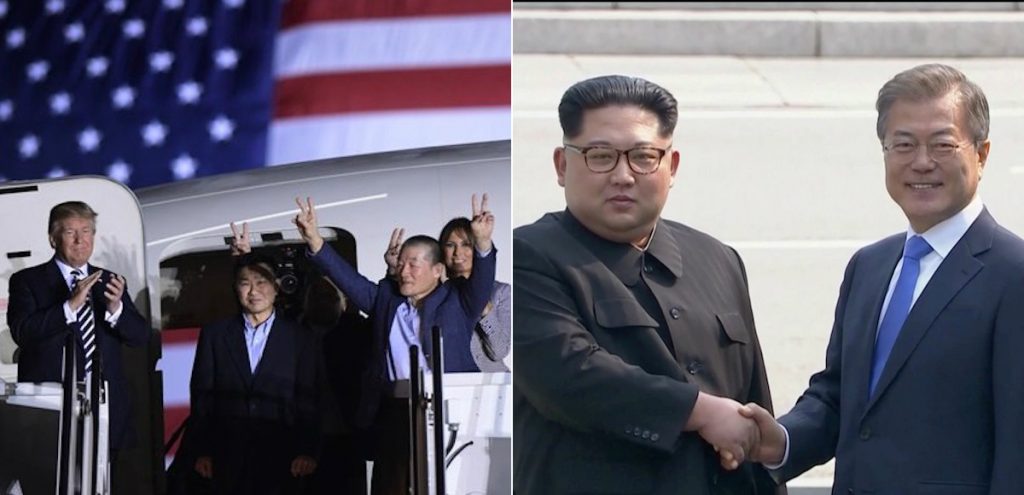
[(769, 33)]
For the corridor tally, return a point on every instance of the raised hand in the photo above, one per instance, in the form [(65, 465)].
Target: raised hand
[(394, 247), (306, 222), (482, 224), (772, 447), (113, 292), (240, 243), (81, 291)]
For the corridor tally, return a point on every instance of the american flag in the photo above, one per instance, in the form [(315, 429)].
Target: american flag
[(148, 92)]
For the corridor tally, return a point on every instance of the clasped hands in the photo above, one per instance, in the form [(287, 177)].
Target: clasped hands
[(112, 292), (738, 432)]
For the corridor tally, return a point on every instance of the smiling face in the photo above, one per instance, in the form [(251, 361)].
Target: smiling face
[(418, 274), (458, 254), (930, 190), (73, 240), (620, 205), (256, 293)]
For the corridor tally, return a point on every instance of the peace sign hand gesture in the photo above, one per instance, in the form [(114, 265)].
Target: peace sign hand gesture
[(394, 246), (306, 222), (483, 224), (240, 243)]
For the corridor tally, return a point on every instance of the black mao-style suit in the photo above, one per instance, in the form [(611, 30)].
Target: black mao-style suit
[(36, 317), (947, 415), (254, 424), (605, 376)]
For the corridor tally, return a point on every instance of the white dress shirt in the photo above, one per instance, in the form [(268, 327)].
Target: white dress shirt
[(69, 316)]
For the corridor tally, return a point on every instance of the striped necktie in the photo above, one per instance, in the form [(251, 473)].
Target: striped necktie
[(86, 323)]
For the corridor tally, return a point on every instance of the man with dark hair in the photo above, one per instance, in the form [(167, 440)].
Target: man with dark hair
[(921, 391), (65, 297), (403, 311), (254, 426), (635, 335)]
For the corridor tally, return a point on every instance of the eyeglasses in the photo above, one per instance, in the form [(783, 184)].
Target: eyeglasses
[(603, 159), (906, 151)]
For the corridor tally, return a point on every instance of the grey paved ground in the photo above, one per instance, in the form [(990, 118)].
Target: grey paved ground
[(779, 159)]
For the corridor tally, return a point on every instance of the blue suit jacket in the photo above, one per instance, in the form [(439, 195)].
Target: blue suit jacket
[(455, 306), (948, 413), (36, 317), (254, 424)]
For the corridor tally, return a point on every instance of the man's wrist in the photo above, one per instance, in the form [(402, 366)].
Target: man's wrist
[(784, 455), (701, 413), (315, 244)]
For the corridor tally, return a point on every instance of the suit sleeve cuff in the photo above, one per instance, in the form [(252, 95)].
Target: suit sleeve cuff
[(785, 456), (69, 316), (113, 317)]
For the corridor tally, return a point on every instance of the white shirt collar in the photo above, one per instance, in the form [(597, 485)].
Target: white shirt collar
[(945, 234), (65, 269)]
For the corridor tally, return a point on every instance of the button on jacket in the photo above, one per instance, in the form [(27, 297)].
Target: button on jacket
[(613, 345)]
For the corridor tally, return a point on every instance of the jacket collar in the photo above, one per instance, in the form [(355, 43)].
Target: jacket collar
[(623, 259)]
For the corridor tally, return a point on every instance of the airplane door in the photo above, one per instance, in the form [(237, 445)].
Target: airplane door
[(119, 247), (196, 287)]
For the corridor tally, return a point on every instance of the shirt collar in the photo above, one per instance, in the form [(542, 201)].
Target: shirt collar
[(944, 235), (65, 269), (265, 325)]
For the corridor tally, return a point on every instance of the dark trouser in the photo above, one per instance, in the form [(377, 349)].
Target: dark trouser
[(391, 459), (341, 467)]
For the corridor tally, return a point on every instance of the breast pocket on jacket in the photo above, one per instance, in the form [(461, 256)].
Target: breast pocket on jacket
[(734, 330), (623, 328), (621, 313)]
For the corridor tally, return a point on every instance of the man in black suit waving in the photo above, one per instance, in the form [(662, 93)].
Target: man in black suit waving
[(67, 295)]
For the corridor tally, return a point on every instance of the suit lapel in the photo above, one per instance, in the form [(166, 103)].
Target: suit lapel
[(280, 344), (59, 286), (952, 275), (869, 308), (235, 339), (428, 318)]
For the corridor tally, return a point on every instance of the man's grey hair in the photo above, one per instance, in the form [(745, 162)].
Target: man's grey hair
[(68, 210), (931, 81)]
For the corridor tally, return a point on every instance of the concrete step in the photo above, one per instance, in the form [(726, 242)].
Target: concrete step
[(785, 33)]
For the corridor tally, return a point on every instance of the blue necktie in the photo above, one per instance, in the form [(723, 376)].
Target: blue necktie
[(899, 305)]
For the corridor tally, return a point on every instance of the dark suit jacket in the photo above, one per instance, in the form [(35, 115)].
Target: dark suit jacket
[(948, 412), (36, 317), (254, 424), (600, 400), (455, 306)]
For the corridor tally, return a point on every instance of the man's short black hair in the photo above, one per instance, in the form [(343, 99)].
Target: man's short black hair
[(433, 247), (260, 263), (604, 91)]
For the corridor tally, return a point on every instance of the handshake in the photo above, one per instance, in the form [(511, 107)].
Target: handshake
[(737, 432)]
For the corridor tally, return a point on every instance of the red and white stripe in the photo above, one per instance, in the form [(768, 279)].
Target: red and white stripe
[(178, 353), (364, 76)]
